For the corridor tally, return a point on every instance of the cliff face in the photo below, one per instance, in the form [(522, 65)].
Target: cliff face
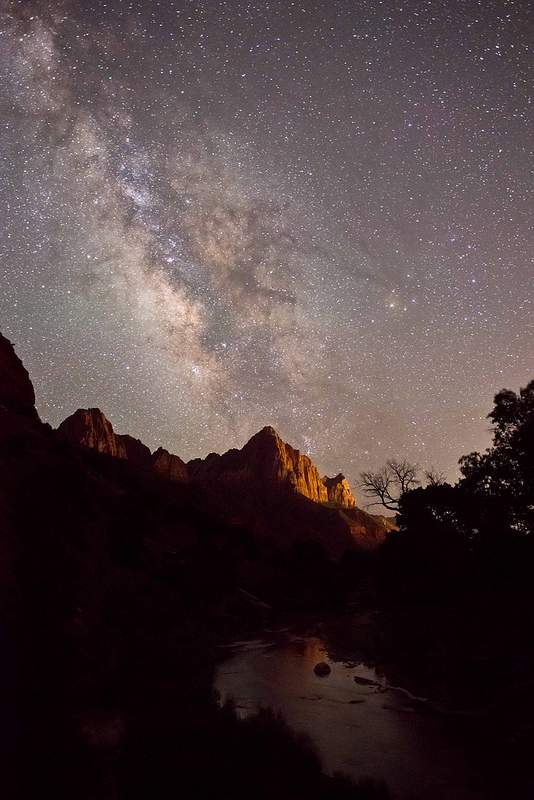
[(268, 460), (278, 462), (270, 486), (267, 485), (16, 390), (90, 428), (169, 466), (265, 461), (339, 491)]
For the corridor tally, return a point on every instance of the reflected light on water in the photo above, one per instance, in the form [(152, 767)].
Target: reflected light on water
[(357, 729)]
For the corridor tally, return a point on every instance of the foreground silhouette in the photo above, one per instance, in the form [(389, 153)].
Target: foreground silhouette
[(116, 586)]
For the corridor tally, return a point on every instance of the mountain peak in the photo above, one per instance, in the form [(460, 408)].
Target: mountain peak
[(16, 390), (268, 430), (91, 428)]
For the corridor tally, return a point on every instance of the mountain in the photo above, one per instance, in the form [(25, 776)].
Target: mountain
[(267, 485), (265, 460), (90, 427), (268, 460), (119, 571), (16, 391), (278, 492)]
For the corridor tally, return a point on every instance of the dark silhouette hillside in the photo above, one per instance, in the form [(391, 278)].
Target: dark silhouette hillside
[(116, 583)]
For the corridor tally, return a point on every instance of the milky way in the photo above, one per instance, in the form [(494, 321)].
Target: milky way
[(318, 216)]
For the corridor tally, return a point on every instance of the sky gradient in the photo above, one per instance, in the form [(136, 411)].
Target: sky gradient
[(218, 216)]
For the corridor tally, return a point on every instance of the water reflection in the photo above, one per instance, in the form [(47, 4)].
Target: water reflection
[(356, 728)]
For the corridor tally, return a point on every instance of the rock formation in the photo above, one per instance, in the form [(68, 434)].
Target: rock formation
[(16, 390), (265, 461), (276, 461), (170, 466), (90, 428), (136, 452), (339, 491), (267, 485), (268, 460)]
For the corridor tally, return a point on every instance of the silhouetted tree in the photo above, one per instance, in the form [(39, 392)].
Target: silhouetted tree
[(389, 483), (434, 476), (500, 482)]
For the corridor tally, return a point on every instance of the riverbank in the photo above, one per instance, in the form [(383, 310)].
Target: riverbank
[(495, 740), (357, 728)]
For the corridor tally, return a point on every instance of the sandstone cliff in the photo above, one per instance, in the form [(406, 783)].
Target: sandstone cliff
[(170, 466), (268, 460), (339, 491), (90, 427), (279, 462), (267, 485), (270, 486), (16, 390)]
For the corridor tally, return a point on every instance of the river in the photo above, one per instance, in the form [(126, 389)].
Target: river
[(356, 728)]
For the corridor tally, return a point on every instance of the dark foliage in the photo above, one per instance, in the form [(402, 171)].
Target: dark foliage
[(457, 584)]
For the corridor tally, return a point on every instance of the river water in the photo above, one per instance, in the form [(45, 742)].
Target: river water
[(356, 728)]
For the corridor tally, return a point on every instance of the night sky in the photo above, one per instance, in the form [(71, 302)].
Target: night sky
[(318, 216)]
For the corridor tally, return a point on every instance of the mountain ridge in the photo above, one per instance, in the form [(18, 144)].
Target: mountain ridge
[(267, 484), (265, 457)]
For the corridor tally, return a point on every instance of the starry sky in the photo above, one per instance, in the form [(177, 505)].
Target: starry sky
[(314, 215)]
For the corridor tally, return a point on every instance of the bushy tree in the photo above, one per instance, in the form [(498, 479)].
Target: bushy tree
[(500, 482)]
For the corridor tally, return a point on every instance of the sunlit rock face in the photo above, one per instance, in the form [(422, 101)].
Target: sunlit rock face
[(16, 390), (265, 460), (277, 461), (170, 466), (270, 486), (268, 460), (90, 428), (339, 491)]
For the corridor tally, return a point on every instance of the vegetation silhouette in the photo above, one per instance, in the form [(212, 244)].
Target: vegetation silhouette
[(387, 485), (456, 590)]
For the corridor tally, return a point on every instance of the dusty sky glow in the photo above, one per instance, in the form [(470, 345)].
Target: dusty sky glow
[(222, 215)]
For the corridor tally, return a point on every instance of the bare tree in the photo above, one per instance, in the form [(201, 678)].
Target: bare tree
[(434, 476), (390, 482)]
